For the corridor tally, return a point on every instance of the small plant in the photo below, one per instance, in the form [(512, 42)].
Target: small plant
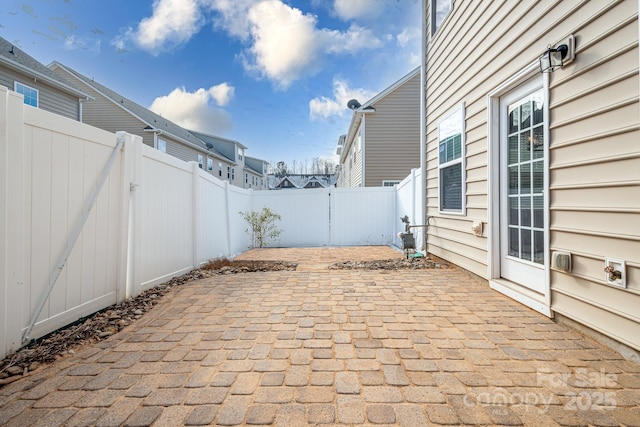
[(261, 226)]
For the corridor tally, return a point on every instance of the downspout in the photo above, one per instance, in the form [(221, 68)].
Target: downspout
[(423, 125)]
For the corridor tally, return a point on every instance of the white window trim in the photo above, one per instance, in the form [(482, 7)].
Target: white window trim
[(15, 89), (493, 186), (432, 17), (200, 161), (209, 164), (462, 160)]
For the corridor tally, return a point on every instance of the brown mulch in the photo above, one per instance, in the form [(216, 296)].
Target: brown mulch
[(389, 264), (101, 325)]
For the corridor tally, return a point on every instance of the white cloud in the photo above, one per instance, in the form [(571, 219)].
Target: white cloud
[(354, 9), (286, 44), (408, 35), (222, 93), (172, 23), (74, 43), (192, 110), (232, 15), (323, 108)]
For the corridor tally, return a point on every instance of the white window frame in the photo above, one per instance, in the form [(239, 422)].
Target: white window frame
[(433, 6), (457, 112), (209, 164), (220, 169), (24, 86), (390, 182), (228, 172), (200, 161), (240, 153)]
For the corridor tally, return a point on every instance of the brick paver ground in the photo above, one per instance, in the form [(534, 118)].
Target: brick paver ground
[(320, 347)]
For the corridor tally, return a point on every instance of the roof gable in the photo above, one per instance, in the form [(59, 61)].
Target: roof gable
[(14, 58), (155, 122)]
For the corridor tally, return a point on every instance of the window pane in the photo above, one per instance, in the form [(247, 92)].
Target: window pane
[(525, 115), (525, 147), (538, 176), (538, 142), (538, 211), (525, 211), (538, 114), (513, 180), (525, 244), (538, 247), (439, 10), (513, 149), (451, 187), (513, 119), (513, 211), (514, 242), (525, 178)]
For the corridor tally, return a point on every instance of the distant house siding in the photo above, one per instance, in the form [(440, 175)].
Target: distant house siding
[(392, 137), (49, 98), (594, 132)]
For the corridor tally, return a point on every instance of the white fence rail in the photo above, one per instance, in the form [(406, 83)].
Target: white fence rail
[(156, 217)]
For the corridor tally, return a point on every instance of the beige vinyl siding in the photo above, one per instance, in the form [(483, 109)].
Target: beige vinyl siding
[(392, 137), (594, 155), (49, 98)]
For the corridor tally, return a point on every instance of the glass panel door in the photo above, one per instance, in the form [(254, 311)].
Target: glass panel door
[(522, 222)]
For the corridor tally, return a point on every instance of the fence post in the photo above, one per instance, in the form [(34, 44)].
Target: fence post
[(127, 188), (195, 206), (14, 194), (134, 235), (228, 216)]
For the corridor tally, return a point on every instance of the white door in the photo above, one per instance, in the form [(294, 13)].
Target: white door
[(522, 177)]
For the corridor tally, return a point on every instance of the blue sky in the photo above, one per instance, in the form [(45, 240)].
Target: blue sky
[(272, 74)]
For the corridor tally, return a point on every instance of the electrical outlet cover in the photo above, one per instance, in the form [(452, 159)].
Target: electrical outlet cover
[(618, 265)]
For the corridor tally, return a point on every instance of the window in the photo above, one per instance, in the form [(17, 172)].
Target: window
[(451, 176), (228, 172), (200, 161), (389, 183), (30, 94), (240, 153), (439, 11), (233, 174), (219, 169), (246, 178), (210, 164), (162, 145)]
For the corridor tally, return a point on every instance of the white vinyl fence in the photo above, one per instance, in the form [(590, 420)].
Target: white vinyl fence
[(89, 218)]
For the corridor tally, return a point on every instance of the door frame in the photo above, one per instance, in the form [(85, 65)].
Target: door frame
[(496, 282)]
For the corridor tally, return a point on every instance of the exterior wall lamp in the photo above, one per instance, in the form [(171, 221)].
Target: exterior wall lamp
[(556, 57)]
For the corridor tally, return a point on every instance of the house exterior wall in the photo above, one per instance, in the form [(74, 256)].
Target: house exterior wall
[(351, 164), (392, 135), (49, 98), (102, 113), (593, 155)]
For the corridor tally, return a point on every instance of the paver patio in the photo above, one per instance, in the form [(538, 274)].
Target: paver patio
[(344, 347)]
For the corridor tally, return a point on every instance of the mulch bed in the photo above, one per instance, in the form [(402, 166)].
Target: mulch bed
[(389, 264)]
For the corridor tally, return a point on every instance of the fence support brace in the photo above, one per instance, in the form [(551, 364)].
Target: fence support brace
[(77, 229)]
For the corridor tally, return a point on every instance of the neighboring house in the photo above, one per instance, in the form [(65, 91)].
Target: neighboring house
[(298, 181), (41, 87), (255, 173), (383, 141), (113, 112), (540, 165)]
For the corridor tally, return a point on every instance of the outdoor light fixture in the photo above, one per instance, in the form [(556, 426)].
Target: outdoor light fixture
[(553, 58)]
